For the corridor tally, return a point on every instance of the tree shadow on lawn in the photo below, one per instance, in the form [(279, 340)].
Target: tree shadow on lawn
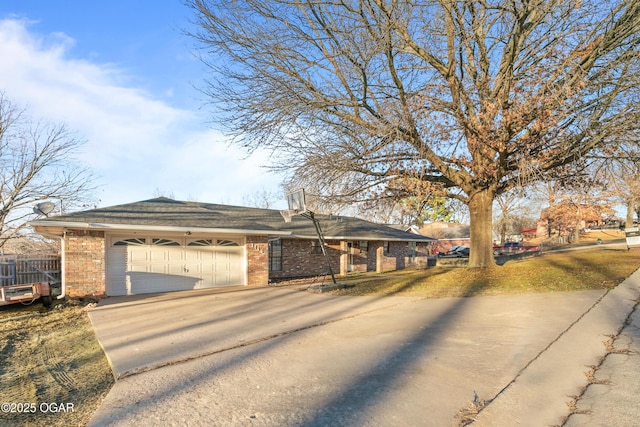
[(409, 284), (531, 273)]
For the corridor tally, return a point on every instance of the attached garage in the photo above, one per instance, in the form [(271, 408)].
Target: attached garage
[(145, 264), (164, 245)]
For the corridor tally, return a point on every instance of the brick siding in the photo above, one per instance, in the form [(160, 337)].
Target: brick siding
[(423, 251), (299, 261), (257, 248), (395, 259), (84, 263)]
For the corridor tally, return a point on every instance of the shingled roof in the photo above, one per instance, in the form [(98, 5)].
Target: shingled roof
[(167, 214)]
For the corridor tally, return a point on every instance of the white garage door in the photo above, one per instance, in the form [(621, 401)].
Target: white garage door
[(138, 265)]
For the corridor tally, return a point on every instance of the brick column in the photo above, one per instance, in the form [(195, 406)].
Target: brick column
[(379, 251), (84, 258), (257, 248), (344, 258)]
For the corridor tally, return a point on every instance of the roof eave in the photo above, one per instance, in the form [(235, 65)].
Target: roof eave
[(368, 238), (61, 225)]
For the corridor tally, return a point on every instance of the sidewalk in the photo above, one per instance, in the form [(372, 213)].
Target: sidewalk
[(580, 379), (612, 398)]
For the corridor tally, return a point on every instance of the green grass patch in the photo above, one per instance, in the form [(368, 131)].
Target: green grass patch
[(585, 269)]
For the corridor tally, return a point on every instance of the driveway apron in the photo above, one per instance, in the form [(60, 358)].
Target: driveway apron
[(281, 357)]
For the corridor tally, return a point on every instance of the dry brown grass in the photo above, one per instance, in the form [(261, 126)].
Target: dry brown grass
[(51, 358)]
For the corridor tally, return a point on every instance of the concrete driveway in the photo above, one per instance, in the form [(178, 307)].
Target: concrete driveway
[(281, 357)]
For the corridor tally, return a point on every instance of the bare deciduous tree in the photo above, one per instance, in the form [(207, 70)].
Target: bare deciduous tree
[(262, 198), (513, 213), (577, 196), (477, 97), (621, 170), (36, 164)]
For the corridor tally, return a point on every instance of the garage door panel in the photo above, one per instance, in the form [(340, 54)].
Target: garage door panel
[(157, 269), (199, 255), (138, 255), (153, 264), (164, 255), (117, 260), (235, 277), (207, 268), (177, 270), (137, 268), (207, 256), (140, 283)]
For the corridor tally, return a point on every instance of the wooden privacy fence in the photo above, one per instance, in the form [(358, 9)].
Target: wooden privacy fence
[(19, 269)]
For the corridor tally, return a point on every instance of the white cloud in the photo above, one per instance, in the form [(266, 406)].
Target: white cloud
[(135, 142)]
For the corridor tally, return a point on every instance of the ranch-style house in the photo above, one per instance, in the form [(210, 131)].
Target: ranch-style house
[(163, 245)]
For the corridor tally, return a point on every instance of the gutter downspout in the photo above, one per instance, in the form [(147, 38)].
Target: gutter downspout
[(63, 267)]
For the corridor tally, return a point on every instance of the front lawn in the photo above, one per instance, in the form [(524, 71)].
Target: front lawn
[(594, 268)]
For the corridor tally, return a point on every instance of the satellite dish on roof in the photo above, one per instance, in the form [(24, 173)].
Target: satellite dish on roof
[(44, 208)]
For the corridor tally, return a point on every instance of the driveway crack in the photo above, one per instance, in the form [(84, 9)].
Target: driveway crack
[(248, 343)]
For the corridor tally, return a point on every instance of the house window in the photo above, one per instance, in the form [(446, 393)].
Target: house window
[(315, 247), (411, 253), (275, 255), (227, 243), (364, 246), (165, 242), (385, 245), (134, 242), (201, 242)]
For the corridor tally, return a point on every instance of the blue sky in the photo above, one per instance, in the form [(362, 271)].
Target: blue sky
[(122, 75)]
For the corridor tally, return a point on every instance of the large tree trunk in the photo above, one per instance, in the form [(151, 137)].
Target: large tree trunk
[(576, 233), (579, 218), (480, 212), (630, 212)]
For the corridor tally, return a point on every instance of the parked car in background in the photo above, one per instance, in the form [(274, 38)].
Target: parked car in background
[(456, 252)]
